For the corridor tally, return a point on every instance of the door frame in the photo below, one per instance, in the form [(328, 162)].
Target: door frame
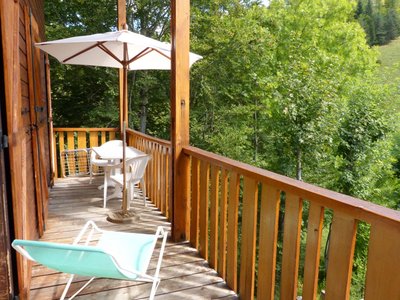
[(7, 257)]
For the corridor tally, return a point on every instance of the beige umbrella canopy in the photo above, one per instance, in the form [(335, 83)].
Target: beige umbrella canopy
[(120, 49)]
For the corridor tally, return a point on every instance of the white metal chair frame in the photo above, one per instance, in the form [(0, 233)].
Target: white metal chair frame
[(84, 245)]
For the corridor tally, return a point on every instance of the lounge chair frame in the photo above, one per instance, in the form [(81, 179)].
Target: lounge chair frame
[(83, 245)]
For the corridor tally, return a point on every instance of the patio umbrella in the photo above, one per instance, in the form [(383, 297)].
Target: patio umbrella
[(119, 49)]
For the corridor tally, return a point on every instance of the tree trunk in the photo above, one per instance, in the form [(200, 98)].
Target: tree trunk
[(143, 110), (299, 167)]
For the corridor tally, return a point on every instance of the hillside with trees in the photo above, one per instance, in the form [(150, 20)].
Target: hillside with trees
[(380, 20), (291, 87)]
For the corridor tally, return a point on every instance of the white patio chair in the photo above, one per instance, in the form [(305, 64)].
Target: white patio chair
[(117, 255), (104, 163), (135, 168)]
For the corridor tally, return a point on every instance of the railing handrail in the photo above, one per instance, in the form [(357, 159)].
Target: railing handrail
[(150, 138), (360, 209), (63, 129)]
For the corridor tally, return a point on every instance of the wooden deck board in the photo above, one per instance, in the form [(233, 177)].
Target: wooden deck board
[(184, 274)]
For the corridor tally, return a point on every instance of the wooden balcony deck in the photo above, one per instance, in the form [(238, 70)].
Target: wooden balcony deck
[(184, 274)]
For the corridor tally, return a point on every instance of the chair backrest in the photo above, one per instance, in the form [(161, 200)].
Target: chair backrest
[(137, 166), (92, 261)]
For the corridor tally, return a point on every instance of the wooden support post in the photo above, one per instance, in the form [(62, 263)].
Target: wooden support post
[(121, 5), (180, 11)]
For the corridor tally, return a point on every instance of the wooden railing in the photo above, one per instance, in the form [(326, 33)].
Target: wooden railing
[(76, 141), (72, 147), (158, 174), (246, 221), (239, 213)]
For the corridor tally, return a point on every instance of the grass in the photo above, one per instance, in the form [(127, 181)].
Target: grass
[(389, 59)]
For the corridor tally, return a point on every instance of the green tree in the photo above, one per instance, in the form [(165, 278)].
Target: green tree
[(81, 95), (229, 83)]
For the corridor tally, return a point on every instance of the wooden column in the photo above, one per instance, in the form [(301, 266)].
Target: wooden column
[(180, 11), (123, 114)]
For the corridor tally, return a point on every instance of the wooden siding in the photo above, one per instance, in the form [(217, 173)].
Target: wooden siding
[(26, 98), (184, 274)]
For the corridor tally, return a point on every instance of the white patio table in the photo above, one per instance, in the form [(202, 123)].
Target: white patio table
[(114, 155)]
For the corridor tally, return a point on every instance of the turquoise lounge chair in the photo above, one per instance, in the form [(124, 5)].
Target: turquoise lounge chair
[(118, 255)]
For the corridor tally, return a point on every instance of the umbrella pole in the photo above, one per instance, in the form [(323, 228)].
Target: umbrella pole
[(125, 215), (125, 200)]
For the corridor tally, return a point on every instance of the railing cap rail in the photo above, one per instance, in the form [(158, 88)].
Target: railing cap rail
[(360, 209), (62, 129), (150, 138)]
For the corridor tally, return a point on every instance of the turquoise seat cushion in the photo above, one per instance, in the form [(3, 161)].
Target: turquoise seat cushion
[(132, 252)]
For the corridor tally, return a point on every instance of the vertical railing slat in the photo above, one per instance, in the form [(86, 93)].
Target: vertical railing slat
[(81, 155), (71, 157), (291, 246), (94, 139), (383, 268), (222, 225), (214, 217), (340, 258), (203, 223), (232, 245), (249, 228), (61, 141), (313, 249), (269, 216), (194, 212)]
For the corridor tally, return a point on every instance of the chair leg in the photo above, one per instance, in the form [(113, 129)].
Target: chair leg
[(78, 291), (143, 191), (105, 190), (91, 173), (154, 289), (67, 287)]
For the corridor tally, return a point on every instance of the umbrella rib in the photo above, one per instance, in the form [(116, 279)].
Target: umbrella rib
[(82, 51), (145, 52), (107, 51)]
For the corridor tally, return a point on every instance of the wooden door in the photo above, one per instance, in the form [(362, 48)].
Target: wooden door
[(39, 118)]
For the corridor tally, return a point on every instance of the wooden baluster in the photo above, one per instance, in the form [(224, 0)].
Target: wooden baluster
[(291, 246), (62, 148), (81, 157), (313, 249), (222, 224), (340, 258), (383, 268), (249, 228), (162, 181), (71, 156), (93, 139), (214, 217), (232, 246), (103, 137), (194, 212), (270, 201), (111, 135), (55, 153), (203, 212), (168, 179)]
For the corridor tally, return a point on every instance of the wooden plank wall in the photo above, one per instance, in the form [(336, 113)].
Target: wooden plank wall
[(20, 67)]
